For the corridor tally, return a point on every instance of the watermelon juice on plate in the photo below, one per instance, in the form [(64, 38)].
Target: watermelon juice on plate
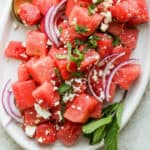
[(74, 58)]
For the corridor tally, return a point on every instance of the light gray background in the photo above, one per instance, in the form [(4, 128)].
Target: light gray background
[(135, 136)]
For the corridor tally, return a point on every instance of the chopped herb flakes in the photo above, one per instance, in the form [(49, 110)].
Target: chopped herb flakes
[(81, 29)]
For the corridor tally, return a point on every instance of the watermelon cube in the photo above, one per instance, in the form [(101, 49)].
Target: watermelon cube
[(23, 94), (46, 95), (36, 43)]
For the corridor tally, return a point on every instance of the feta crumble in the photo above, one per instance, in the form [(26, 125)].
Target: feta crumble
[(42, 112)]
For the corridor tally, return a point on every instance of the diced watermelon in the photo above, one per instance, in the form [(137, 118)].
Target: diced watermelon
[(56, 113), (104, 45), (97, 111), (142, 16), (42, 70), (69, 133), (134, 12), (23, 94), (46, 133), (72, 3), (36, 43), (115, 28), (16, 50), (81, 108), (46, 95), (31, 118), (23, 74), (129, 37), (90, 23), (29, 13), (120, 49), (44, 5), (127, 75), (62, 63), (97, 84), (68, 34), (90, 58), (124, 11)]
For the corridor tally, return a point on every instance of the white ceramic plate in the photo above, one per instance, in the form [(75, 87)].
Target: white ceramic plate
[(9, 68)]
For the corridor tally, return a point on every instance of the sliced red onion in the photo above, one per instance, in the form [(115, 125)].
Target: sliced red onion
[(6, 103), (3, 99), (50, 20), (46, 22), (91, 88), (12, 106), (122, 64), (100, 64), (106, 59), (58, 16), (108, 67)]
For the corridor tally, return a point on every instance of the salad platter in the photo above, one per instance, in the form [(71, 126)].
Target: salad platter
[(100, 74)]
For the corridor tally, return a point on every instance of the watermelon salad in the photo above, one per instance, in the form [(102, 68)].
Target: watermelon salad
[(72, 65)]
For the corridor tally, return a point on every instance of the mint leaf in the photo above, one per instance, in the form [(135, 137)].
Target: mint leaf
[(110, 109), (81, 29), (116, 41), (98, 135), (92, 126), (111, 135), (64, 88), (119, 113)]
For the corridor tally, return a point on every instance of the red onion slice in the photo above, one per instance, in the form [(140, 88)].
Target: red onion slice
[(106, 59), (58, 16), (51, 22), (91, 88), (11, 110), (46, 22), (108, 67), (122, 64)]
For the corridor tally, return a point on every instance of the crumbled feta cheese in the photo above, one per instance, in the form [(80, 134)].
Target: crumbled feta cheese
[(100, 73), (23, 55), (60, 115), (107, 3), (49, 42), (47, 132), (73, 106), (68, 97), (74, 21), (104, 27), (30, 131), (108, 17), (94, 1), (78, 108), (56, 103), (95, 77), (102, 95), (40, 101), (42, 112), (40, 140)]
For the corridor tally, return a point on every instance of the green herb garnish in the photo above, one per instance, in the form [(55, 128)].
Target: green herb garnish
[(92, 41), (92, 126), (77, 74), (81, 29), (60, 29), (64, 88), (91, 9), (116, 41), (98, 1), (106, 128), (61, 56)]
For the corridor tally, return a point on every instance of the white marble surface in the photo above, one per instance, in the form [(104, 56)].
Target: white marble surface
[(135, 136)]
